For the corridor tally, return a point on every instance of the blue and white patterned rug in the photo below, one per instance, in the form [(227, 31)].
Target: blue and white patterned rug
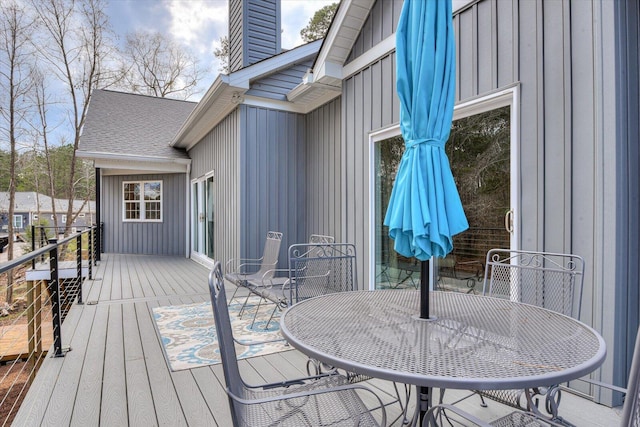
[(189, 339)]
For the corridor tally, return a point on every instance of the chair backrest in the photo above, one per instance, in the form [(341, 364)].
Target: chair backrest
[(321, 268), (224, 334), (270, 254), (321, 238), (550, 280), (631, 408)]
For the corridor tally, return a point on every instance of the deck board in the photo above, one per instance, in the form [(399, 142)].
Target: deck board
[(114, 388), (87, 406), (140, 398), (116, 372)]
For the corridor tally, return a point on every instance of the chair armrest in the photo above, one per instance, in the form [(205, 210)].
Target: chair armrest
[(234, 265), (269, 278)]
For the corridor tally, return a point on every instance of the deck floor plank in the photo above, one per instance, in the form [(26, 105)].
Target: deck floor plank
[(139, 398), (128, 278), (86, 410), (114, 387), (214, 393), (168, 409)]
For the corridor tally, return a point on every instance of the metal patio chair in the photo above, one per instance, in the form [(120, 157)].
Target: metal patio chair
[(544, 279), (630, 410), (311, 401), (314, 269), (241, 271), (273, 280)]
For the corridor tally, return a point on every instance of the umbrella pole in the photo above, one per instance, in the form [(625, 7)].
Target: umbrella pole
[(424, 289), (424, 395)]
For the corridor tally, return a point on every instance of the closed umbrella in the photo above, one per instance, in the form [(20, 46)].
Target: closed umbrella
[(425, 210)]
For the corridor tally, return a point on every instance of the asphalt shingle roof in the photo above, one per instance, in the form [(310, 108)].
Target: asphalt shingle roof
[(131, 124)]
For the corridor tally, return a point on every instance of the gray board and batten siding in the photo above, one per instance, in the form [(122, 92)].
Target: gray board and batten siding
[(272, 186), (217, 153), (254, 31), (150, 238), (268, 193), (324, 171), (559, 55)]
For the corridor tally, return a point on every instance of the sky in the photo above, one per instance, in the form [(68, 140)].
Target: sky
[(199, 24)]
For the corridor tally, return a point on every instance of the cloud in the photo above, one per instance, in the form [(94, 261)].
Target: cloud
[(192, 20)]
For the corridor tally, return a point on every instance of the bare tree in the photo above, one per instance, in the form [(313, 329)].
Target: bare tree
[(41, 101), (75, 45), (15, 82), (158, 66)]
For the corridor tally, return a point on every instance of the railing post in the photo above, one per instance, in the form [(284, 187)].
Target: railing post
[(79, 266), (33, 245), (54, 291), (100, 239), (91, 245)]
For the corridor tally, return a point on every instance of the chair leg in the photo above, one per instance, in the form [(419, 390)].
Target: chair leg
[(255, 314)]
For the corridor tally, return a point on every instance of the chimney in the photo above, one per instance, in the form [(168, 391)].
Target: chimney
[(254, 31)]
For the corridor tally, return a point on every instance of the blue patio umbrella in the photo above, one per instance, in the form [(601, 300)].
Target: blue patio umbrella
[(425, 210)]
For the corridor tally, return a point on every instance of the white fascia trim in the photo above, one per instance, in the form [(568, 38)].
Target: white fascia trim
[(97, 155), (342, 13), (209, 98), (382, 49), (273, 104), (328, 69), (120, 166), (457, 5)]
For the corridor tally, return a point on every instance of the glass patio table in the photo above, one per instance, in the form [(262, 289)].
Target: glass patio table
[(474, 342)]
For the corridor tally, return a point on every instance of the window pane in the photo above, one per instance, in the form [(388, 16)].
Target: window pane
[(152, 191), (132, 210), (152, 210), (131, 191)]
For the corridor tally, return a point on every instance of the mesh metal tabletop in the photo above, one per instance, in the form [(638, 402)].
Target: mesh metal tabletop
[(475, 342)]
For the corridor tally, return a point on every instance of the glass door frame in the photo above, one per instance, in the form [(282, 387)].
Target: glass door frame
[(198, 231), (508, 96)]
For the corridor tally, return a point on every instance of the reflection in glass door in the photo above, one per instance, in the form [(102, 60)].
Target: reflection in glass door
[(479, 151), (392, 270), (202, 211)]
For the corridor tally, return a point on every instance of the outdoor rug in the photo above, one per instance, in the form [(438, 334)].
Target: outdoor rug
[(189, 339)]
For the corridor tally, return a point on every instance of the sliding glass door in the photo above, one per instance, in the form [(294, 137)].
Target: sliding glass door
[(202, 217), (481, 150)]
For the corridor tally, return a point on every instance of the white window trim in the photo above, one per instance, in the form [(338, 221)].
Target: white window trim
[(15, 217), (142, 201)]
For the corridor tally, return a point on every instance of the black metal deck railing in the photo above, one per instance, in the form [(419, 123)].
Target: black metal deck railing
[(36, 292)]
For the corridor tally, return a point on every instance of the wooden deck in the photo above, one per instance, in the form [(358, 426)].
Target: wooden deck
[(116, 373)]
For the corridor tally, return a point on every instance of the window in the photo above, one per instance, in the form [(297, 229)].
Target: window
[(81, 215), (17, 221), (142, 201), (35, 217), (64, 219)]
